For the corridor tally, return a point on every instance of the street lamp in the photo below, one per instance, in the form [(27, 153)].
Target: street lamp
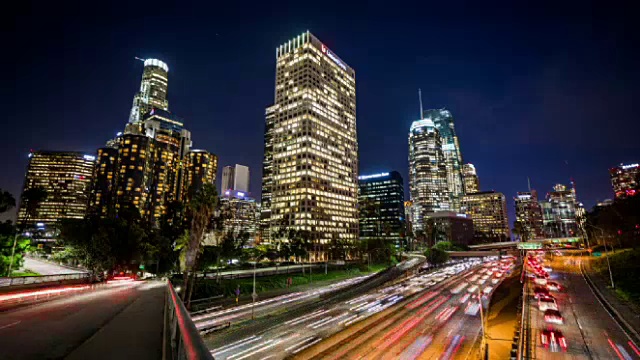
[(483, 344), (607, 257)]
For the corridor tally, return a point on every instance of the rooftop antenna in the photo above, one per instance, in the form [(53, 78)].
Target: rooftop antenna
[(420, 98), (529, 183)]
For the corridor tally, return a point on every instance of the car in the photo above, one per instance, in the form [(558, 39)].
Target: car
[(547, 269), (472, 289), (553, 317), (553, 340), (545, 303), (464, 298), (531, 275), (539, 291), (554, 286), (540, 280)]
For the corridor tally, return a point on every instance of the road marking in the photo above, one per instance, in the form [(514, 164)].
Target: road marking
[(10, 325)]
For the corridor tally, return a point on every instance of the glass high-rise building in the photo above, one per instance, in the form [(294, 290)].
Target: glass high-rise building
[(235, 178), (529, 215), (428, 184), (310, 167), (443, 121), (66, 176), (153, 90), (381, 204), (471, 180), (625, 180), (488, 210), (103, 194), (560, 212)]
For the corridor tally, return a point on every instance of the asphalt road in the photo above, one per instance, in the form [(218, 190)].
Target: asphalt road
[(590, 332), (432, 325), (113, 321), (48, 268), (291, 337)]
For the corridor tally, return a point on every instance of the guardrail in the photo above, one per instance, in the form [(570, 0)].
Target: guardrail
[(182, 341), (42, 279)]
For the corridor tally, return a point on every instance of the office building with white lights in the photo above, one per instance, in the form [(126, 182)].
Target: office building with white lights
[(381, 204), (310, 167), (66, 177)]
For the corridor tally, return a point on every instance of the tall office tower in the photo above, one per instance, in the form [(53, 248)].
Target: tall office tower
[(625, 180), (471, 180), (201, 168), (66, 177), (241, 213), (103, 201), (443, 121), (228, 173), (172, 143), (427, 172), (488, 210), (235, 178), (153, 90), (560, 211), (135, 174), (381, 204), (241, 178), (529, 215), (310, 167)]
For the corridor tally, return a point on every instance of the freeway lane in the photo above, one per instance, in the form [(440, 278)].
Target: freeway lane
[(88, 323), (590, 332), (296, 334), (431, 326)]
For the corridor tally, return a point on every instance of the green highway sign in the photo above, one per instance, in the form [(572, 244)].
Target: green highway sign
[(597, 254), (141, 267), (529, 246)]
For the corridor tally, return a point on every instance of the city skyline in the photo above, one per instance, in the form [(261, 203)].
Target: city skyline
[(544, 169)]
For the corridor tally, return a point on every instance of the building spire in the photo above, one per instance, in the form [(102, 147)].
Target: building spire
[(420, 98), (529, 183)]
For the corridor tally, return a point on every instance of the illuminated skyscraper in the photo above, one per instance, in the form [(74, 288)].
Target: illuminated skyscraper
[(103, 195), (560, 212), (427, 172), (488, 210), (471, 180), (310, 167), (529, 215), (66, 177), (153, 90), (625, 180), (235, 178), (201, 168), (443, 121)]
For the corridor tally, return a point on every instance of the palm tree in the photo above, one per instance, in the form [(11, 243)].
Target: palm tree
[(7, 201), (201, 206)]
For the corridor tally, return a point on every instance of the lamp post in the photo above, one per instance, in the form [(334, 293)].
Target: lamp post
[(483, 344), (254, 295), (607, 257)]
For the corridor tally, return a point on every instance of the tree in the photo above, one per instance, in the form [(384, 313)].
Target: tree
[(31, 199), (11, 253), (7, 201), (520, 230), (201, 208), (436, 256)]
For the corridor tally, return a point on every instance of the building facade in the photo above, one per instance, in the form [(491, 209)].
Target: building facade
[(66, 177), (201, 167), (153, 90), (235, 178), (488, 210), (239, 214), (443, 121), (560, 211), (471, 180), (451, 226), (529, 215), (310, 167), (428, 184), (381, 205), (103, 193), (625, 180)]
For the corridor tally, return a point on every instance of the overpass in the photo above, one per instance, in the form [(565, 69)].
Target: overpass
[(528, 245)]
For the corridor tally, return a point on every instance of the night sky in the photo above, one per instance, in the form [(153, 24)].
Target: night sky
[(545, 92)]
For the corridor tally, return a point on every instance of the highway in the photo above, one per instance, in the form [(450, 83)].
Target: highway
[(48, 268), (293, 336), (589, 330), (116, 320)]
